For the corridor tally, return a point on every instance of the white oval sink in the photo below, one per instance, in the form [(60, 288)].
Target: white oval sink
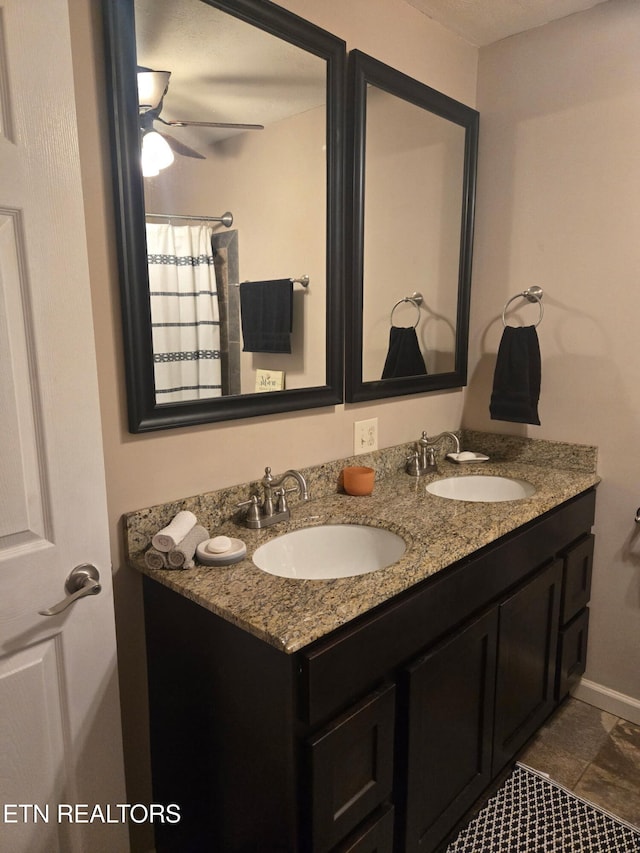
[(329, 551), (481, 488)]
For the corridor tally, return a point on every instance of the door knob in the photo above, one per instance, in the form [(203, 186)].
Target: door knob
[(83, 580)]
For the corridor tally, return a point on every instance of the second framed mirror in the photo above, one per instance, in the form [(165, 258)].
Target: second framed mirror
[(413, 154)]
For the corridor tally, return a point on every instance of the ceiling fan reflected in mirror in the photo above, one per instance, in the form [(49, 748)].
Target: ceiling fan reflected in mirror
[(158, 147)]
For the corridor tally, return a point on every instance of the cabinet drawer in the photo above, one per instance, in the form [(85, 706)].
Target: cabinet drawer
[(572, 653), (351, 768), (576, 588), (376, 836)]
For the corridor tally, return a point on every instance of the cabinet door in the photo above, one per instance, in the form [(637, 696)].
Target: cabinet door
[(528, 640), (572, 654), (448, 748)]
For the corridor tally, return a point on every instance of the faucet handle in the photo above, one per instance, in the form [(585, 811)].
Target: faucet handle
[(253, 513), (413, 464), (281, 494), (253, 499)]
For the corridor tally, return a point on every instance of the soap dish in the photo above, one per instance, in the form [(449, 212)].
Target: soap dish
[(467, 456), (236, 551)]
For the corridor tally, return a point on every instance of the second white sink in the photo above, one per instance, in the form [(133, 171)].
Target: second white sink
[(482, 488), (329, 551)]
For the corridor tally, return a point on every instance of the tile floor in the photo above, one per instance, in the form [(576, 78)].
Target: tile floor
[(588, 751), (593, 754)]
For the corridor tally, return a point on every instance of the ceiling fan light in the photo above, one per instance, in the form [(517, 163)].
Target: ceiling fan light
[(156, 154), (148, 169), (151, 87)]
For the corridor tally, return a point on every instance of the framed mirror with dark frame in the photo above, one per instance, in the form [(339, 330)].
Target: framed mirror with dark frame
[(264, 246), (412, 158)]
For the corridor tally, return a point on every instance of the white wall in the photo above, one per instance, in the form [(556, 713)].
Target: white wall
[(559, 206)]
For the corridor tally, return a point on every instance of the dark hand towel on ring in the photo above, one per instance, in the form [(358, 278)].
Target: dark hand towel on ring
[(404, 357), (516, 381)]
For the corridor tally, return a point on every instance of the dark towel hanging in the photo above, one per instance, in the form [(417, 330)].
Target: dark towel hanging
[(267, 315), (516, 381), (404, 357)]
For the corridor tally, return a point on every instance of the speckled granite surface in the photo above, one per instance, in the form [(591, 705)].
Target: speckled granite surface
[(290, 614)]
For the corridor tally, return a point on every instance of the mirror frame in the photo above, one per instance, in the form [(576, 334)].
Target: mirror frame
[(364, 70), (144, 414)]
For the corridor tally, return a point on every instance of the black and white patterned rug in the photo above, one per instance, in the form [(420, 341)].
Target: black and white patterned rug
[(531, 814)]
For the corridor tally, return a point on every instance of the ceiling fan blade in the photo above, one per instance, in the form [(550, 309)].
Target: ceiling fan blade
[(180, 147), (232, 125)]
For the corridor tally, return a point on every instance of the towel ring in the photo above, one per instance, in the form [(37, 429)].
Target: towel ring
[(415, 300), (533, 294)]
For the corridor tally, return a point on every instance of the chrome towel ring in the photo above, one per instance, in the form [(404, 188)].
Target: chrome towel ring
[(532, 294), (416, 300)]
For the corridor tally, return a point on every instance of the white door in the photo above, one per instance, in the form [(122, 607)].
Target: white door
[(60, 738)]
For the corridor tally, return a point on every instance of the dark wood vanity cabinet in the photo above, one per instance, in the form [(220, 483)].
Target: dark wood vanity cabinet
[(379, 737)]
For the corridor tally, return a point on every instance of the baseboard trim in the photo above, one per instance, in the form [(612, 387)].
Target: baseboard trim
[(608, 700)]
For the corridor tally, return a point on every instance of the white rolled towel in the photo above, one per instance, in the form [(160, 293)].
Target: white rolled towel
[(180, 556), (175, 531)]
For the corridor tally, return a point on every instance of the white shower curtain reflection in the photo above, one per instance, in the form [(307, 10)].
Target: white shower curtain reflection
[(185, 318)]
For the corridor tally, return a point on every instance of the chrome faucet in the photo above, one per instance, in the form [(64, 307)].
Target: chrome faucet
[(423, 458), (274, 507)]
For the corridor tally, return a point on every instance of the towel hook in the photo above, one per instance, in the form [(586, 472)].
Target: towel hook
[(416, 299), (532, 294)]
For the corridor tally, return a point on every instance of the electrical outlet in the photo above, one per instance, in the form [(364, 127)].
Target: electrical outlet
[(365, 436)]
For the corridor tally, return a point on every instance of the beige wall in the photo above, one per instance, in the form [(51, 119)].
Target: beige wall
[(412, 215), (153, 468), (559, 206), (274, 184)]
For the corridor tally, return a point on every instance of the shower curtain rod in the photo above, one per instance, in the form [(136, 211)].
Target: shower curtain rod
[(226, 218)]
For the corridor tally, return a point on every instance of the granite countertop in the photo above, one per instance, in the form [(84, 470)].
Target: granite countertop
[(289, 614)]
